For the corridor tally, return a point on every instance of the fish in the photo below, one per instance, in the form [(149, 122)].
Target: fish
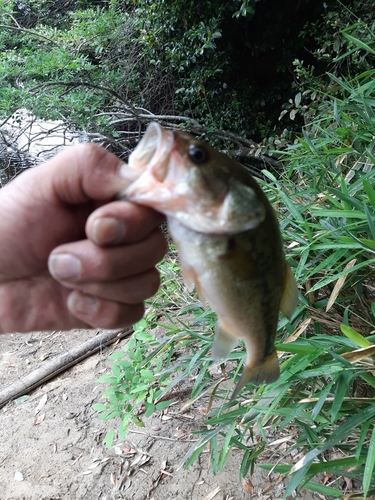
[(227, 237)]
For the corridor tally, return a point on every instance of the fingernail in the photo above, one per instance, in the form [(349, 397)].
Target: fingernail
[(64, 266), (108, 230), (83, 305)]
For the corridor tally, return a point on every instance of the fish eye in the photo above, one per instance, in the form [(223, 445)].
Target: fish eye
[(198, 154)]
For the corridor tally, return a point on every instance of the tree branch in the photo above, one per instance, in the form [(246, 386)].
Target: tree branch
[(24, 30), (61, 363)]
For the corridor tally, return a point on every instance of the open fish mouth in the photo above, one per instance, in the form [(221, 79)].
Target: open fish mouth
[(152, 151), (161, 175)]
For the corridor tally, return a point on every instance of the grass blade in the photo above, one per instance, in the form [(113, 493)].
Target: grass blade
[(370, 220), (225, 450), (370, 191), (369, 466)]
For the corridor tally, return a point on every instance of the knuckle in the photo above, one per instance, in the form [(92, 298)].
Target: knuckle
[(114, 315), (154, 281), (160, 244), (91, 151)]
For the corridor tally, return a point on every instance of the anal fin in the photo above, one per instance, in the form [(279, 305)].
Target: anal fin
[(224, 343)]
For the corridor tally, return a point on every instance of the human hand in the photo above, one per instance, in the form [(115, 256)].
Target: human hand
[(69, 256)]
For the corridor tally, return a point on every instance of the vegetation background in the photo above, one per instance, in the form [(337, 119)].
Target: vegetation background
[(289, 90)]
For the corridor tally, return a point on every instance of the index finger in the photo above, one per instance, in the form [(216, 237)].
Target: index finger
[(121, 222), (79, 174)]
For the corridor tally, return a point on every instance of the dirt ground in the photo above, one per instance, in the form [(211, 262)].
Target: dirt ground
[(51, 441)]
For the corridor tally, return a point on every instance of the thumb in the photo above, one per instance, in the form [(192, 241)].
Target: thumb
[(81, 173)]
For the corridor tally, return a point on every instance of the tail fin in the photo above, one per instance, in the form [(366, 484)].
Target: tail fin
[(267, 371)]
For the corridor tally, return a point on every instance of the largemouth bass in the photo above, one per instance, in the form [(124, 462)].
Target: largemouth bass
[(228, 240)]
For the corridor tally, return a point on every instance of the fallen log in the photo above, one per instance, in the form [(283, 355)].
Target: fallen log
[(61, 363)]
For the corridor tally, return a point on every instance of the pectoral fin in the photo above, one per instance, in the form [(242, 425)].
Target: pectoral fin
[(267, 371), (289, 299), (191, 280), (189, 277), (224, 343)]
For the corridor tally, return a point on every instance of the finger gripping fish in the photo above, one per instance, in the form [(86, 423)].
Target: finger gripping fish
[(228, 240)]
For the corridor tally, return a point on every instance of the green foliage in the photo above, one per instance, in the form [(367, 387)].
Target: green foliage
[(131, 383), (324, 399), (219, 62)]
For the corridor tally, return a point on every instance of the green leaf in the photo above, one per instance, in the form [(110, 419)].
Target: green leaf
[(116, 355), (108, 440), (370, 191), (341, 391), (370, 464), (359, 43), (349, 202), (370, 220), (368, 378), (354, 336), (163, 404), (321, 400), (295, 348), (150, 408), (137, 421), (194, 453), (362, 438), (214, 455), (344, 214), (147, 374), (225, 450), (99, 407), (328, 491), (337, 436), (291, 207)]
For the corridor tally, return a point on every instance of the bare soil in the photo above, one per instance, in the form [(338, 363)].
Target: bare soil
[(51, 441)]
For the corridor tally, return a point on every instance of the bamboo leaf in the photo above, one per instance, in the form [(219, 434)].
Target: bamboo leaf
[(321, 400), (369, 466), (356, 337), (328, 491), (341, 390), (225, 450), (362, 438), (359, 43), (302, 466)]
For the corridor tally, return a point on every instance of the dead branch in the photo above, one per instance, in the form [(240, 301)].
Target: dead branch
[(60, 364), (29, 32), (129, 122)]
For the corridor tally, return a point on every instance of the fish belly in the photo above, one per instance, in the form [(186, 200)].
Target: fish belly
[(237, 295)]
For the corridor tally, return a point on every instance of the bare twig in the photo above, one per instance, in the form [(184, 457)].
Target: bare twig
[(29, 32), (60, 364)]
